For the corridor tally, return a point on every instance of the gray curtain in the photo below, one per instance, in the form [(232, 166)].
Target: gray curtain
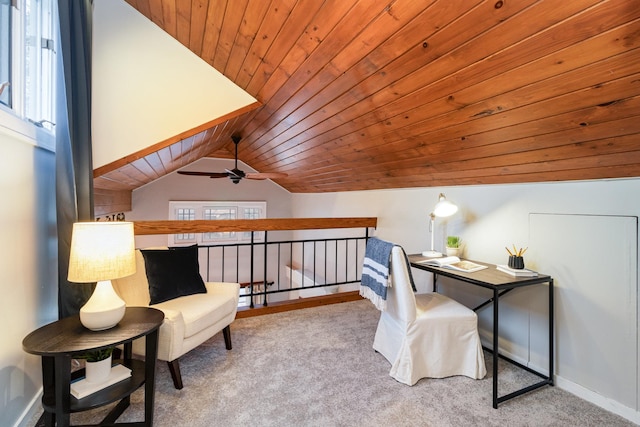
[(74, 165)]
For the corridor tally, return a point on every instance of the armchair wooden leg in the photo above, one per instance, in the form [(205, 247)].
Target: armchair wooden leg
[(174, 368), (227, 337)]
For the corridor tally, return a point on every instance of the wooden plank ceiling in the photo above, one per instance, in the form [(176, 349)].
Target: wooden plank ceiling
[(367, 94)]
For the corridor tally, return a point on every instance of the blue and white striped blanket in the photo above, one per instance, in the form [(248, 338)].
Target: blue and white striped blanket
[(375, 272)]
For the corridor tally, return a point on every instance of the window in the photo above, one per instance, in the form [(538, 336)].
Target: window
[(28, 59), (185, 214), (5, 52), (216, 213), (251, 213), (189, 211)]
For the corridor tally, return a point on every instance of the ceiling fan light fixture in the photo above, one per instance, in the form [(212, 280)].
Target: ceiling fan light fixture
[(235, 174)]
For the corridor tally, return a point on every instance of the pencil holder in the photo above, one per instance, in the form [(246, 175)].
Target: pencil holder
[(516, 262)]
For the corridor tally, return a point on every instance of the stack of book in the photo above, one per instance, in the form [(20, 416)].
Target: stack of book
[(523, 272), (81, 388)]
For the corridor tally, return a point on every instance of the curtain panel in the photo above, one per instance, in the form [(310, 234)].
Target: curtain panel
[(74, 164)]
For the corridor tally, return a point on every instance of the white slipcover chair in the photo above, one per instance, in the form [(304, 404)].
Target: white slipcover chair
[(426, 335)]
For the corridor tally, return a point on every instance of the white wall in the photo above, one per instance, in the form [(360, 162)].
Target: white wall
[(151, 202), (28, 265), (490, 218), (147, 87)]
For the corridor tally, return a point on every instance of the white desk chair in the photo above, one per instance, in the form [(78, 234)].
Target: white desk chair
[(426, 335)]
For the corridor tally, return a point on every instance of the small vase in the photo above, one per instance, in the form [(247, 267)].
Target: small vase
[(98, 372)]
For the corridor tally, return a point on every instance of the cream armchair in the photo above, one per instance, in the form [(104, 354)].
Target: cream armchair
[(189, 320)]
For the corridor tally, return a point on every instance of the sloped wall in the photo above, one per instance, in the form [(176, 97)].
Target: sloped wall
[(147, 87)]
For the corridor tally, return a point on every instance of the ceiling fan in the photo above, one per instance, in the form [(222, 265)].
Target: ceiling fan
[(236, 174)]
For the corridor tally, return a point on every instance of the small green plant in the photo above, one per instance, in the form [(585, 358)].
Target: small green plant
[(453, 241), (95, 355)]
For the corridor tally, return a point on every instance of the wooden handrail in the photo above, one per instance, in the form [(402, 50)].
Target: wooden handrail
[(274, 224)]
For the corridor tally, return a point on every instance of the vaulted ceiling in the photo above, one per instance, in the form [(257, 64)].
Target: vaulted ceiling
[(367, 94)]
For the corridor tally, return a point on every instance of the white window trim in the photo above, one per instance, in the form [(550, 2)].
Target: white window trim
[(15, 127)]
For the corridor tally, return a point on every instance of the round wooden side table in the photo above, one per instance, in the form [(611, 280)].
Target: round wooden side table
[(60, 341)]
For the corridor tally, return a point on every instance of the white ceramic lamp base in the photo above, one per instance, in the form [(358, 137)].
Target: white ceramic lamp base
[(104, 309)]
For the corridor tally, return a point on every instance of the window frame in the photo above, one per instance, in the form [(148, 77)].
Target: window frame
[(8, 55), (32, 68), (214, 238)]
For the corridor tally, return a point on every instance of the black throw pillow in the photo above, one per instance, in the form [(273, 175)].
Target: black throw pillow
[(172, 273)]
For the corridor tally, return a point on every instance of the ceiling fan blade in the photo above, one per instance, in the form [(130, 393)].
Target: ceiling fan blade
[(266, 175), (236, 174), (209, 174)]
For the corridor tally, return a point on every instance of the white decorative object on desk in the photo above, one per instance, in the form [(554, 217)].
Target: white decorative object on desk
[(452, 251), (520, 272), (453, 246)]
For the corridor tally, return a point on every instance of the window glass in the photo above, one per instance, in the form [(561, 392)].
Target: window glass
[(211, 211), (28, 38), (217, 213), (251, 213), (185, 214), (5, 52), (39, 51)]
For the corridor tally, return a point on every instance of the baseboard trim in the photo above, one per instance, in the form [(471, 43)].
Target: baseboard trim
[(34, 407), (598, 399), (576, 389)]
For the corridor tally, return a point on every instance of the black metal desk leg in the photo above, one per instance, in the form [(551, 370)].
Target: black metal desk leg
[(551, 337), (495, 348)]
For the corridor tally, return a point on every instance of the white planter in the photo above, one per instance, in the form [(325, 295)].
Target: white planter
[(453, 251), (98, 372)]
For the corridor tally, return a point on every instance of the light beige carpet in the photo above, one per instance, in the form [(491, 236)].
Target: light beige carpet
[(316, 367)]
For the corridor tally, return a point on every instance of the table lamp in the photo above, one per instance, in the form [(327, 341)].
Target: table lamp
[(443, 209), (101, 251)]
